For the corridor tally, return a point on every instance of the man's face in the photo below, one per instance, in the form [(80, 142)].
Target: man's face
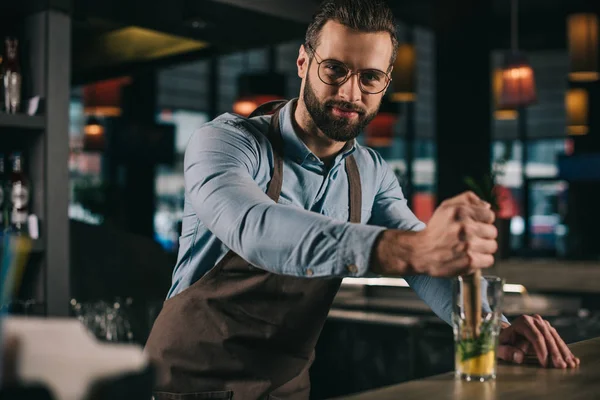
[(342, 112)]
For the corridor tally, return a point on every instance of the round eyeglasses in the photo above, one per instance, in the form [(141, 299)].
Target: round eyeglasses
[(336, 73)]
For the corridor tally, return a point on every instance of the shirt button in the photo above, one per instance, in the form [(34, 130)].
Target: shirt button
[(353, 269), (309, 272)]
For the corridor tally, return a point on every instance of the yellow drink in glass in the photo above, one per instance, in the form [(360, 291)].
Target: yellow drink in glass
[(475, 355)]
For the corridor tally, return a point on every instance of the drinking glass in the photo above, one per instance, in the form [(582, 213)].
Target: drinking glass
[(109, 322), (475, 347)]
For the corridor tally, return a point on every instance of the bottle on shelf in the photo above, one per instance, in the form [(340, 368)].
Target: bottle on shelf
[(11, 74), (3, 196), (19, 196)]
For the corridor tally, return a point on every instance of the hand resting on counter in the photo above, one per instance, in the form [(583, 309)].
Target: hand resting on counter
[(533, 336)]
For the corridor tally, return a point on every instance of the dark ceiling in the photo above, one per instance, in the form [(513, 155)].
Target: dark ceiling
[(230, 25)]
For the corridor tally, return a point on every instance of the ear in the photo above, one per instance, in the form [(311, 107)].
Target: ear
[(302, 62)]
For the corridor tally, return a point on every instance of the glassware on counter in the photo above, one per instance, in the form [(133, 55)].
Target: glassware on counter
[(476, 352), (107, 321)]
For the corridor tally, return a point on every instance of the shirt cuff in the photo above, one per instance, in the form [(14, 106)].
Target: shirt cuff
[(355, 249)]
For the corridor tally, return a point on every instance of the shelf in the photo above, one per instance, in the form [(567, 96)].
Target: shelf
[(22, 121)]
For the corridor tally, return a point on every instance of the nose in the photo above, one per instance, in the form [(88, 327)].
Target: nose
[(349, 90)]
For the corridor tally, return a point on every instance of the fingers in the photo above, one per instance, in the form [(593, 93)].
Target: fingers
[(510, 353), (523, 345), (528, 332), (467, 198), (567, 355), (467, 262), (477, 213), (481, 246), (514, 347), (480, 243), (528, 328), (462, 236), (467, 257), (474, 229), (552, 346), (458, 265), (480, 260)]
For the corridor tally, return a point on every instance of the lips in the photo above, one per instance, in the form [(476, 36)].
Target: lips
[(344, 112)]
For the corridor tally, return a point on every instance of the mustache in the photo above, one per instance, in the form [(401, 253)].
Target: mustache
[(345, 105)]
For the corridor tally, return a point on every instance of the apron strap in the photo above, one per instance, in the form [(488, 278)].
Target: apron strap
[(274, 136), (355, 189)]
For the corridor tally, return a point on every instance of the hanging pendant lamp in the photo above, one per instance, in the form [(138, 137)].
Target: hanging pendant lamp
[(104, 98), (500, 113), (404, 74), (518, 81), (577, 108), (582, 32)]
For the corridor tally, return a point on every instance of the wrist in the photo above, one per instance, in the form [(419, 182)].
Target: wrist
[(393, 251), (417, 254)]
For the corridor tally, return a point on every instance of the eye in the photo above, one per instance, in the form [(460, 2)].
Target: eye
[(371, 76), (332, 68)]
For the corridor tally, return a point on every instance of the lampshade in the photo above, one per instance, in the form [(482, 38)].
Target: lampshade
[(577, 108), (404, 75), (104, 98), (499, 112), (582, 35), (93, 139), (256, 89), (380, 131), (518, 82), (93, 127)]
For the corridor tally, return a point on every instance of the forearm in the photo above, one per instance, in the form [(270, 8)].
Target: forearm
[(286, 239)]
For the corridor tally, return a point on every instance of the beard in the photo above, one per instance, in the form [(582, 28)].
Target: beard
[(339, 129)]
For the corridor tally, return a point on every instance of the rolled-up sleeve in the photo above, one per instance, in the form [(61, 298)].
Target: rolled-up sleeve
[(220, 166)]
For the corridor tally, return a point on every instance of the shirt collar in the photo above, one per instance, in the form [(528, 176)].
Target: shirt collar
[(294, 147)]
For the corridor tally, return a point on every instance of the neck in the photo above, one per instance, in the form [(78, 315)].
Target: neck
[(317, 142)]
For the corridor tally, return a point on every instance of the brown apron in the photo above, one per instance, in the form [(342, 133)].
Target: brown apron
[(240, 332)]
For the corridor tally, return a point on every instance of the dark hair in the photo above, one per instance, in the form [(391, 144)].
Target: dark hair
[(361, 15)]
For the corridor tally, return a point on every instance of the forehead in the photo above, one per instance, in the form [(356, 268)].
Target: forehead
[(357, 49)]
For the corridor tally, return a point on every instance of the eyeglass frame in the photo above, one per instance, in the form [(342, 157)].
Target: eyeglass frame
[(350, 72)]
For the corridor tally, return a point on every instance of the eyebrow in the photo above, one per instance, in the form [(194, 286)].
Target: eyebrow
[(350, 66)]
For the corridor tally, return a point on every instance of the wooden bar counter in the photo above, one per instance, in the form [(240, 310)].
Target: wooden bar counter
[(514, 382)]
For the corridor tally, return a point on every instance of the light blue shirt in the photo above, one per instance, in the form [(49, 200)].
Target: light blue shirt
[(227, 168)]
